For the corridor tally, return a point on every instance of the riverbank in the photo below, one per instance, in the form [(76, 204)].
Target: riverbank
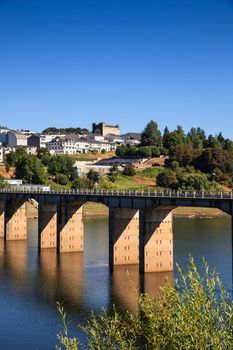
[(93, 209), (100, 210)]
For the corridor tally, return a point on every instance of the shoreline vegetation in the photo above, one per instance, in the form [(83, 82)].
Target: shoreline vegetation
[(195, 312), (92, 210)]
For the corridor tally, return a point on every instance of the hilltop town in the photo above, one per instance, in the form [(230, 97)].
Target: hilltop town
[(103, 138), (103, 157)]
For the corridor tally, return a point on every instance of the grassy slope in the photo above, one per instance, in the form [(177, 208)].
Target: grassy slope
[(142, 180)]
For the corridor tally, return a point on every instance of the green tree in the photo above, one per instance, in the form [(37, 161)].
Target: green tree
[(228, 145), (113, 173), (196, 138), (165, 137), (30, 170), (151, 136), (183, 154), (61, 164), (212, 142), (210, 159), (167, 179), (42, 151), (81, 183), (174, 139), (45, 159), (93, 176)]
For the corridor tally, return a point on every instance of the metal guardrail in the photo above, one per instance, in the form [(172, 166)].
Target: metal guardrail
[(126, 193)]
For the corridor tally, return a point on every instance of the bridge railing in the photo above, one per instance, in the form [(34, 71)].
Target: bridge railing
[(168, 193)]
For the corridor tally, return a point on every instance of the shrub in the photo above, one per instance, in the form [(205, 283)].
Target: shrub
[(167, 179), (62, 179), (129, 170)]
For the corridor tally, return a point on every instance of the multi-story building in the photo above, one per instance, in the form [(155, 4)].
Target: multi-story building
[(83, 145), (16, 138), (41, 140), (61, 145)]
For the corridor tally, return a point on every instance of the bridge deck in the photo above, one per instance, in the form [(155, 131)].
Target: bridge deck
[(126, 193)]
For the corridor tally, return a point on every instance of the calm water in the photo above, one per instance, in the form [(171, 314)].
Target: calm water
[(30, 286)]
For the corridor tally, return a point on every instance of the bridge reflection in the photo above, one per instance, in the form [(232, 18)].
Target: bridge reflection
[(128, 284), (49, 278)]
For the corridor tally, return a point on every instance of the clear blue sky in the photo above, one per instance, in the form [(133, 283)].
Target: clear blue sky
[(72, 62)]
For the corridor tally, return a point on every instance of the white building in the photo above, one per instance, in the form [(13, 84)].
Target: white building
[(83, 146), (31, 150), (62, 146)]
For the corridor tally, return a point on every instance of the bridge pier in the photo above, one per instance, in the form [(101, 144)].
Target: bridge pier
[(71, 227), (156, 239), (2, 219), (123, 236), (15, 226), (47, 225)]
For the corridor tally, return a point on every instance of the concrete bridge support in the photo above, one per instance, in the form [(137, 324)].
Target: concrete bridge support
[(71, 227), (156, 239), (2, 219), (123, 236), (15, 220), (47, 225)]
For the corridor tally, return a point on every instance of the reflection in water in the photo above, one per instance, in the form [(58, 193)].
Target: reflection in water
[(70, 278), (126, 287), (15, 263), (30, 284), (152, 282), (127, 284), (61, 277)]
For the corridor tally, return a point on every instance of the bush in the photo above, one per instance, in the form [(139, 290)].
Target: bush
[(195, 313), (81, 183), (167, 179), (93, 176), (142, 151), (129, 170), (194, 181), (174, 165), (62, 179)]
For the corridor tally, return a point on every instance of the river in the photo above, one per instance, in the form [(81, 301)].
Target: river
[(30, 284)]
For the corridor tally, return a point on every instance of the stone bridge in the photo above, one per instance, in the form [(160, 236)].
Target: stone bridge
[(140, 222)]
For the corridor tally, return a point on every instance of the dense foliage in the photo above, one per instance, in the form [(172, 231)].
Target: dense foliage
[(195, 313), (125, 150), (41, 168), (53, 130), (212, 155), (27, 167), (178, 178)]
